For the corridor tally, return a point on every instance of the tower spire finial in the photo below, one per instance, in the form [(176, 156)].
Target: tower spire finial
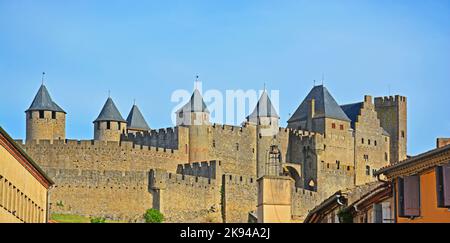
[(43, 75), (264, 86), (196, 81), (134, 101), (314, 83), (323, 78), (109, 93)]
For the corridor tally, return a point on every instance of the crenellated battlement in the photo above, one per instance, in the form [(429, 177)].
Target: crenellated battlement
[(205, 169), (390, 100), (306, 194), (163, 138), (161, 179), (239, 179)]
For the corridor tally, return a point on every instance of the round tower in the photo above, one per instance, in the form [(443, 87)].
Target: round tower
[(45, 120), (109, 125), (266, 120), (195, 116)]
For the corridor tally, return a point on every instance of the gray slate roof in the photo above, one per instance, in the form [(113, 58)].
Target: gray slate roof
[(195, 104), (43, 101), (109, 112), (264, 108), (325, 106), (135, 119), (352, 111)]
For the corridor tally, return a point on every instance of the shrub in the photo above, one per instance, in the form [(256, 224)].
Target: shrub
[(153, 216), (98, 220)]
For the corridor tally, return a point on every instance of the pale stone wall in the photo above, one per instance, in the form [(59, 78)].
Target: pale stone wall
[(45, 128), (97, 155), (371, 146), (116, 195), (239, 197), (22, 197), (303, 201), (392, 112), (116, 129)]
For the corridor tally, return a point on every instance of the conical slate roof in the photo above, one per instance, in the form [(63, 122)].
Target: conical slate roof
[(43, 101), (135, 120), (109, 112), (325, 106), (195, 104), (264, 108)]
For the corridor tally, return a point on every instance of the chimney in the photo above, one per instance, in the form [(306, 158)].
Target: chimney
[(442, 142)]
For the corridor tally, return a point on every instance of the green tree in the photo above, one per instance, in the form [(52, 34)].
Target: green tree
[(153, 216)]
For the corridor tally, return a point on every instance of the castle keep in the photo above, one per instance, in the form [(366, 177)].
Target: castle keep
[(203, 172)]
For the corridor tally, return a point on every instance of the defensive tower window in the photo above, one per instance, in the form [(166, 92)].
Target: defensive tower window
[(41, 114), (341, 127), (333, 125), (108, 125), (368, 141), (237, 146), (214, 143), (30, 115), (362, 140), (53, 114), (403, 134), (119, 125), (367, 170)]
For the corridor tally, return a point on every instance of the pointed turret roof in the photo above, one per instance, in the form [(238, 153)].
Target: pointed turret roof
[(43, 101), (264, 108), (195, 104), (135, 120), (109, 112), (325, 106)]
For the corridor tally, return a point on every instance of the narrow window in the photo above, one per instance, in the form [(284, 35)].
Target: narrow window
[(375, 142), (338, 164), (443, 186), (237, 146), (409, 196), (119, 125), (108, 125), (333, 125), (403, 134), (378, 211), (30, 115), (368, 141), (385, 156), (53, 114), (368, 170), (214, 143), (362, 140), (341, 127), (41, 114)]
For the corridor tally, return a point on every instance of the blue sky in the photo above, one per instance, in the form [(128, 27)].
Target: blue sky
[(145, 50)]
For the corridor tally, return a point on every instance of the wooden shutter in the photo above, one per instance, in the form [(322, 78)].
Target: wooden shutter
[(401, 197), (446, 180), (443, 186), (412, 196), (378, 213)]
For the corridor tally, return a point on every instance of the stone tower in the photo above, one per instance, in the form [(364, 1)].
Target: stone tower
[(109, 125), (45, 120), (266, 119), (392, 112), (136, 122), (195, 116)]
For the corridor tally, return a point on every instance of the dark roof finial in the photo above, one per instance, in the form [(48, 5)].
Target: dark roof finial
[(43, 75)]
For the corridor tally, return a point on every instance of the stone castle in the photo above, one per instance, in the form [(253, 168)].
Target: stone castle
[(203, 172)]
